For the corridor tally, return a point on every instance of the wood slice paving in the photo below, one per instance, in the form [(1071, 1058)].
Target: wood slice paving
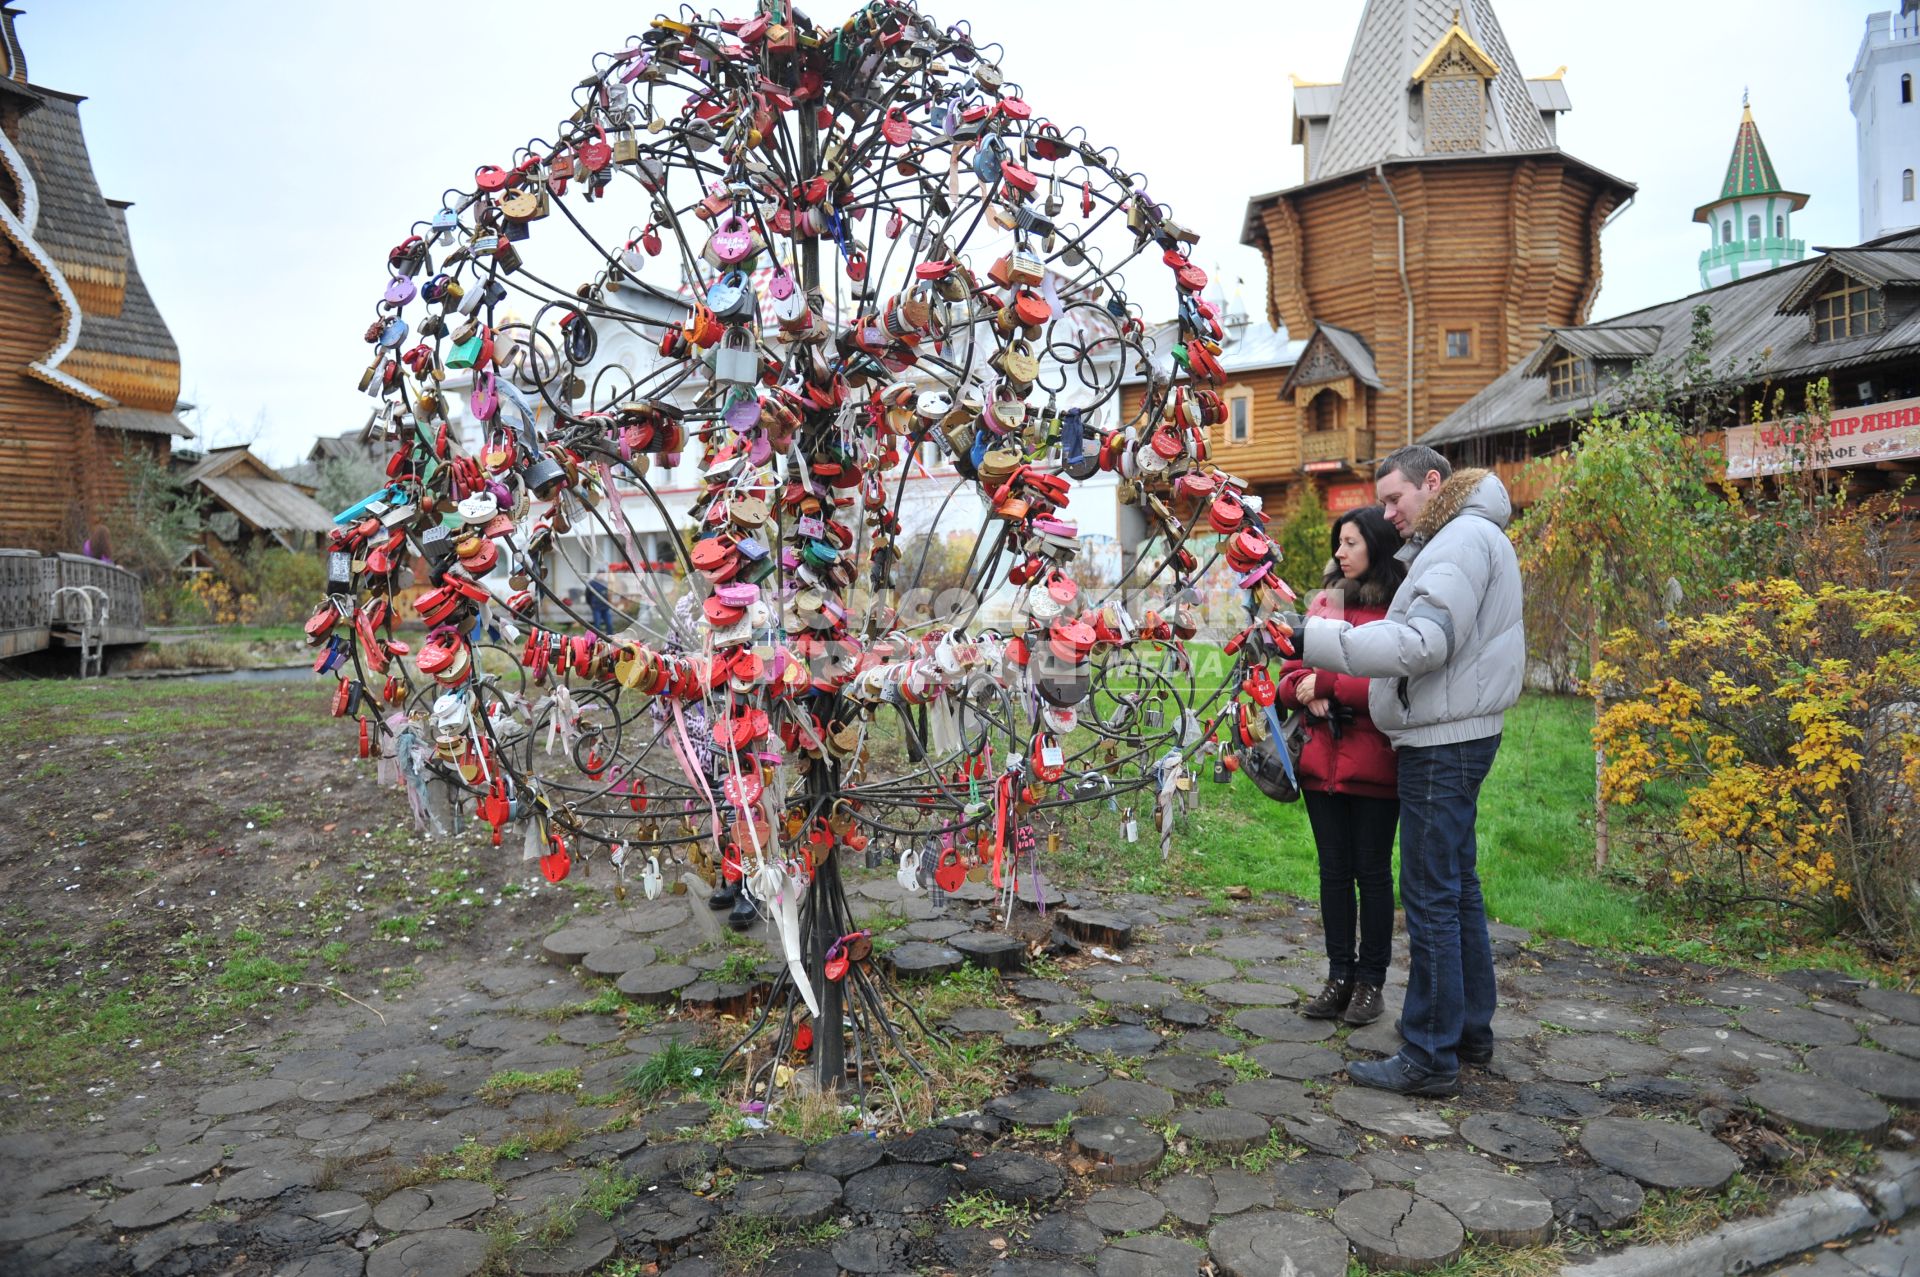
[(1121, 1102)]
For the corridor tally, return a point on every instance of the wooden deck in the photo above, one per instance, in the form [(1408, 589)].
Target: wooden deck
[(44, 601)]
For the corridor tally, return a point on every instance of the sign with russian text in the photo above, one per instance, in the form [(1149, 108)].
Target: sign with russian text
[(1342, 497), (1854, 437)]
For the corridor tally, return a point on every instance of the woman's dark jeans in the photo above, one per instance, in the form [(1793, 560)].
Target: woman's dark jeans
[(1354, 836)]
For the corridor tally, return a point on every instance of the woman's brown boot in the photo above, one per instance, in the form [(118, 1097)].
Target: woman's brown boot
[(1364, 1007), (1330, 1001)]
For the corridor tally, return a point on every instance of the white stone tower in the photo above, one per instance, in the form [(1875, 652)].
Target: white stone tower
[(1884, 86), (1750, 225)]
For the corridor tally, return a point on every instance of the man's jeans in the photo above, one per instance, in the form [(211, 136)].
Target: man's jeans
[(1450, 993)]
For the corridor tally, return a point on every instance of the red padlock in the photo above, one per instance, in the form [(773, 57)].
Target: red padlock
[(556, 864)]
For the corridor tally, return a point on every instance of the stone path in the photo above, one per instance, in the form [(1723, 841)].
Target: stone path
[(1156, 1107)]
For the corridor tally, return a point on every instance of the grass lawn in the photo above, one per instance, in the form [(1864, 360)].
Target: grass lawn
[(1536, 846)]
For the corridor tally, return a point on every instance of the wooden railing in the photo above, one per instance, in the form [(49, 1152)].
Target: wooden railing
[(1344, 446), (45, 599)]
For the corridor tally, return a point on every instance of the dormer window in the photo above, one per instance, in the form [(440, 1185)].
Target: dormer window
[(1848, 309), (1453, 92), (1569, 376)]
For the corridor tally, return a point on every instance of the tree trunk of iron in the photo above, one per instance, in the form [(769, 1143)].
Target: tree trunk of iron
[(1602, 835)]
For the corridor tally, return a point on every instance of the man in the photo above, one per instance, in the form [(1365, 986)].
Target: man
[(1445, 663), (600, 601)]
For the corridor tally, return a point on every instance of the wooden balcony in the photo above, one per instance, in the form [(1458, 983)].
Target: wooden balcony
[(1345, 447)]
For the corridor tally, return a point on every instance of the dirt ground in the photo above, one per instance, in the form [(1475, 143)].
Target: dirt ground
[(184, 864)]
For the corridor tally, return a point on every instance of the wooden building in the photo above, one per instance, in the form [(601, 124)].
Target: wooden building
[(1438, 234), (249, 502), (1848, 316), (89, 374)]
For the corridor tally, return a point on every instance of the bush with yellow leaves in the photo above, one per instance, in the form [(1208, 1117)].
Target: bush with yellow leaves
[(1788, 719)]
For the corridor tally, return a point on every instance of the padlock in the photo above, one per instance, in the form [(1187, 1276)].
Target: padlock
[(1129, 827), (736, 360)]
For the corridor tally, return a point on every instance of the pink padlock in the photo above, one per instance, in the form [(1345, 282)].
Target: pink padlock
[(732, 241)]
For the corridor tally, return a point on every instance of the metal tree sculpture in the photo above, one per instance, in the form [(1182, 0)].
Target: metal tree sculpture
[(878, 243)]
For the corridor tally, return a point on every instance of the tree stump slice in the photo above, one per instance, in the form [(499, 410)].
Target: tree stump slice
[(432, 1206), (1188, 1197), (1388, 1114), (1254, 993), (761, 1154), (724, 997), (1502, 1209), (1557, 1102), (1891, 1077), (1513, 1137), (1891, 1003), (1799, 1026), (1392, 1228), (798, 1198), (924, 958), (1317, 1182), (929, 1147), (592, 1242), (1186, 1074), (994, 950), (1123, 1097), (900, 1189), (1266, 1243), (844, 1156), (1123, 1040), (1124, 1210), (1034, 1106), (1122, 1149), (1048, 1071), (658, 983), (664, 1218), (1659, 1154), (1277, 1025), (1591, 1199), (1019, 1178), (1296, 1060), (572, 943), (1820, 1106), (440, 1252), (1096, 926), (1268, 1098), (620, 958), (1154, 1255), (1904, 1038), (1221, 1130)]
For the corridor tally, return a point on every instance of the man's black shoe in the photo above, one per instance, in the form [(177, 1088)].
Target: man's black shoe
[(1396, 1074), (726, 897), (1478, 1056)]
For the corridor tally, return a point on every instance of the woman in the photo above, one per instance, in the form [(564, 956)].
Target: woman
[(1348, 778)]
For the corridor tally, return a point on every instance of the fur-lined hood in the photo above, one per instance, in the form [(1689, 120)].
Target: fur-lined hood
[(1471, 491), (1369, 592)]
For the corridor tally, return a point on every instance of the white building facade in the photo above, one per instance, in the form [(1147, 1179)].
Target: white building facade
[(1883, 86)]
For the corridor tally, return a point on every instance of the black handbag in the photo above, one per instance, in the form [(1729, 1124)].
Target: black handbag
[(1274, 763)]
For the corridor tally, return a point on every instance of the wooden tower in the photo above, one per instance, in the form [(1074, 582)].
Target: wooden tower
[(1439, 232), (89, 374)]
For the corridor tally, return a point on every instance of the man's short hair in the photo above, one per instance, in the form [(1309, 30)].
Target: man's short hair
[(1412, 463)]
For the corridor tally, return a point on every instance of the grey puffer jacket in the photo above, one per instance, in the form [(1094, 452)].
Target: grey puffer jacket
[(1448, 659)]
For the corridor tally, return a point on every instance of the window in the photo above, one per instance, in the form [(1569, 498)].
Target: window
[(1726, 230), (1779, 228), (1456, 110), (1906, 89), (1906, 185), (1569, 376), (1459, 343), (1753, 226), (1851, 309), (1240, 420)]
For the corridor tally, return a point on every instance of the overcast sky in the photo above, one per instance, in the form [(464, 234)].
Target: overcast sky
[(274, 152)]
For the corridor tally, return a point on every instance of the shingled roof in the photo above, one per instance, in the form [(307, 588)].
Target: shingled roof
[(1373, 117), (76, 225), (1760, 327)]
